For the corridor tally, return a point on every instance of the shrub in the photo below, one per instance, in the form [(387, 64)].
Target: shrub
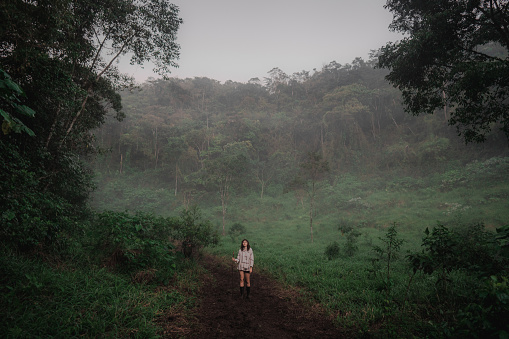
[(351, 243), (194, 230), (332, 250), (31, 215), (388, 253), (136, 242)]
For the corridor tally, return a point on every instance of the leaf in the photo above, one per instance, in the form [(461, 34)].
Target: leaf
[(25, 110)]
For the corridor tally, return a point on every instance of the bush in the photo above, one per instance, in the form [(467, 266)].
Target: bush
[(31, 215), (194, 230), (351, 243), (136, 242), (332, 250)]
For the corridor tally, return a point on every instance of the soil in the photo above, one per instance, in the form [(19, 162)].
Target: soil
[(272, 311)]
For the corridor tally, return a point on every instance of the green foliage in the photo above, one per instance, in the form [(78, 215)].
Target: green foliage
[(471, 248), (352, 234), (332, 250), (345, 227), (485, 316), (388, 253), (503, 239), (194, 229), (10, 105), (69, 81), (469, 38), (135, 242), (67, 299), (439, 254), (31, 215), (351, 246)]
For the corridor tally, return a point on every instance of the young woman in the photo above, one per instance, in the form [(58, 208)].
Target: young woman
[(245, 261)]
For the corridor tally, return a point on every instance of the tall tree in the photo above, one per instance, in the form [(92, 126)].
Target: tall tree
[(225, 166), (63, 54), (454, 54), (313, 169)]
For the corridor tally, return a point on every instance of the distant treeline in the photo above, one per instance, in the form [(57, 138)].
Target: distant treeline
[(349, 114)]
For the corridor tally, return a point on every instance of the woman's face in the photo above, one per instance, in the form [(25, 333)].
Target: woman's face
[(244, 243)]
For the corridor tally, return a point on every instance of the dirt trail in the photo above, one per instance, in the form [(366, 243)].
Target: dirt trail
[(270, 312)]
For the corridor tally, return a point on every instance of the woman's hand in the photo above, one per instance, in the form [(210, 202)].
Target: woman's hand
[(251, 269), (233, 259)]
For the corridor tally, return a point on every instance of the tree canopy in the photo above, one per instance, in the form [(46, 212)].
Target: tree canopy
[(63, 53), (453, 57)]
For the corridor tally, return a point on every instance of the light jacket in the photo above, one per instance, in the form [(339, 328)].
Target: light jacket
[(245, 260)]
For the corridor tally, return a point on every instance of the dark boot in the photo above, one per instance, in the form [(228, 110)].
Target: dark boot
[(241, 291), (248, 288)]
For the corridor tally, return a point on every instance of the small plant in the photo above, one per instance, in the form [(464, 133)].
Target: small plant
[(347, 228), (332, 250), (440, 247), (389, 252)]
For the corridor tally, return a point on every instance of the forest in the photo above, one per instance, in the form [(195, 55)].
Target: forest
[(377, 189)]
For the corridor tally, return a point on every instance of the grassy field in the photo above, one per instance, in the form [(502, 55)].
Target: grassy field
[(77, 293), (353, 285), (354, 215)]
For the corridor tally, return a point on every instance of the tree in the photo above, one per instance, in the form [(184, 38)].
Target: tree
[(312, 170), (177, 147), (78, 43), (454, 56), (225, 165), (11, 108), (63, 53), (389, 252), (266, 170)]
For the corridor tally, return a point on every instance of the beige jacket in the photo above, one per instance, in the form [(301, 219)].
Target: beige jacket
[(245, 260)]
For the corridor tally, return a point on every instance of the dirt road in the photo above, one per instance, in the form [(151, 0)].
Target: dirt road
[(271, 311)]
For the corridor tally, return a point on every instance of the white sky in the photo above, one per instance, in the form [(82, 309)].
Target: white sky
[(243, 39)]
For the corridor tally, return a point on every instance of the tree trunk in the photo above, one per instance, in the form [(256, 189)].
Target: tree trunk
[(176, 178), (156, 152), (311, 218), (311, 207)]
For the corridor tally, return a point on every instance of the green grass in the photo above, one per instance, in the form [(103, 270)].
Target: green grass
[(351, 287), (64, 300), (348, 286)]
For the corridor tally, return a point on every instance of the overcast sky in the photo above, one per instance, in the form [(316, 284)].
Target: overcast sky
[(243, 39)]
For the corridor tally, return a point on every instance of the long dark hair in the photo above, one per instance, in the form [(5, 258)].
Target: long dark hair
[(242, 247)]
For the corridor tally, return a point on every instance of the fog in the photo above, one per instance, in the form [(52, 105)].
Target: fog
[(239, 40)]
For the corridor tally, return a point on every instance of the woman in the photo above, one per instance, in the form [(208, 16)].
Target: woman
[(245, 261)]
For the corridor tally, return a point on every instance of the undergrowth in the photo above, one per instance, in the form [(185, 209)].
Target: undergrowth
[(121, 275)]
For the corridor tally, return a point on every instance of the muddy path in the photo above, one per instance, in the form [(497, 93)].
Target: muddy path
[(271, 311)]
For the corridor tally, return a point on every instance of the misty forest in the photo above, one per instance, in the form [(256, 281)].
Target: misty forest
[(375, 191)]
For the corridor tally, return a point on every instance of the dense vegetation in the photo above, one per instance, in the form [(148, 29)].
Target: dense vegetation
[(386, 219), (391, 200), (454, 55)]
